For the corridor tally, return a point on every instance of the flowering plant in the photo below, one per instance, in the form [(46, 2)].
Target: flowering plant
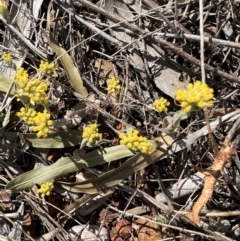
[(45, 189), (32, 92), (7, 58), (113, 86), (196, 96), (47, 69), (161, 104), (132, 140), (90, 133)]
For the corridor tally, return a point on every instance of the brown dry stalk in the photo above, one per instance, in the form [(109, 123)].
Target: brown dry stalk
[(211, 178)]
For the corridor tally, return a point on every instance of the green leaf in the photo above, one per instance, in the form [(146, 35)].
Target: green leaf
[(179, 116), (114, 177), (223, 225), (95, 144), (170, 124), (5, 84), (160, 218), (83, 143), (67, 165), (71, 71), (56, 140)]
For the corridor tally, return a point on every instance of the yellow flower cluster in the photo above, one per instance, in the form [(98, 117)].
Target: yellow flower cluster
[(47, 69), (22, 76), (90, 133), (45, 189), (133, 141), (43, 122), (7, 58), (113, 85), (161, 105), (40, 121), (3, 6), (4, 11), (28, 115), (196, 96), (30, 91)]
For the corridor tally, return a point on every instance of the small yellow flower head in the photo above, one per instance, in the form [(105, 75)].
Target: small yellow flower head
[(36, 91), (161, 105), (39, 121), (7, 58), (21, 77), (196, 96), (90, 133), (30, 91), (47, 69), (28, 115), (113, 86), (133, 141), (42, 124), (4, 11), (45, 189)]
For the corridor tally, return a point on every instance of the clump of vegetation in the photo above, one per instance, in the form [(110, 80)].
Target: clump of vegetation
[(84, 135)]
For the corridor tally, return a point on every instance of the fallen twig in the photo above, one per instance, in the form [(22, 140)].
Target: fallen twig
[(209, 40)]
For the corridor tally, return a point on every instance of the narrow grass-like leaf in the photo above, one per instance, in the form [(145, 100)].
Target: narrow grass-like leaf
[(67, 165), (129, 167), (71, 71), (56, 140), (114, 177)]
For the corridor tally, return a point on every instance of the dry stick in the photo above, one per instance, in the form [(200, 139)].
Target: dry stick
[(232, 132), (161, 185), (223, 214), (193, 37), (205, 110), (203, 72), (159, 13), (202, 42), (159, 41)]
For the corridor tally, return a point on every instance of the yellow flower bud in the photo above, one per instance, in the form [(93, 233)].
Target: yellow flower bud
[(161, 105), (113, 86)]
